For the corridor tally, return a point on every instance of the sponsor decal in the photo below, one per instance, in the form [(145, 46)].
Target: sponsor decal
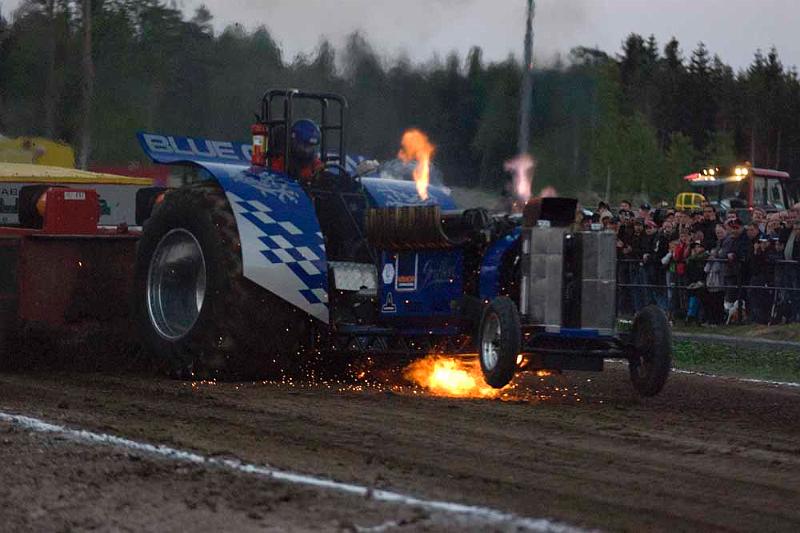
[(406, 272), (196, 148), (389, 306), (388, 273)]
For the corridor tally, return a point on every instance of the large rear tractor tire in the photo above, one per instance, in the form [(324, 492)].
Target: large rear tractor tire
[(194, 308), (650, 360), (499, 341)]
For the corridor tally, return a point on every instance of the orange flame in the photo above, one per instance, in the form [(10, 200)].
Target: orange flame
[(521, 168), (416, 146), (449, 376), (549, 192)]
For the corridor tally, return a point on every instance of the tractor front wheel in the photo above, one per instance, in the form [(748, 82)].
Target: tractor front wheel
[(499, 340), (650, 360)]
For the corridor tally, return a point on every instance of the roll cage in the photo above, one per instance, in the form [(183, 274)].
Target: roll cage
[(332, 107)]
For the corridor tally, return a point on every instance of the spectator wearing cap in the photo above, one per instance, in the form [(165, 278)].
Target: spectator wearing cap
[(645, 210)]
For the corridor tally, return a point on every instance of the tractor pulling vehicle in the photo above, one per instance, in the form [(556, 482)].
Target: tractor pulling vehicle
[(260, 264)]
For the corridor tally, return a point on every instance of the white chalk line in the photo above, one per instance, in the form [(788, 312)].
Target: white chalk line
[(743, 380), (791, 384), (484, 513)]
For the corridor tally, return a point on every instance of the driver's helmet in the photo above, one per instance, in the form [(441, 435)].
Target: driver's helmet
[(306, 137)]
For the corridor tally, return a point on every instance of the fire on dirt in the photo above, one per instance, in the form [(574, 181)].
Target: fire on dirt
[(450, 376), (433, 375), (461, 377)]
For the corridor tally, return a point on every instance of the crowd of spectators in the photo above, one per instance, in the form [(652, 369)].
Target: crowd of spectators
[(704, 267)]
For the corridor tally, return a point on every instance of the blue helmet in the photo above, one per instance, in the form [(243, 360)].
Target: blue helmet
[(306, 137)]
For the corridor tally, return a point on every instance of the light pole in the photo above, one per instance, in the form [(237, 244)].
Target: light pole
[(525, 108)]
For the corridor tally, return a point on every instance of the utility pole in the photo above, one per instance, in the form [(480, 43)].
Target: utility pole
[(87, 88), (525, 110)]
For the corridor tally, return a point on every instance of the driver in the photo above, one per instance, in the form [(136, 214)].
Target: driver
[(305, 156)]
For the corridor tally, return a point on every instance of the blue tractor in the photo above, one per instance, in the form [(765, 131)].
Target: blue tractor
[(282, 251)]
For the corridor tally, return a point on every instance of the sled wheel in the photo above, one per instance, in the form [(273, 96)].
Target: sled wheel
[(499, 341), (650, 360), (194, 307)]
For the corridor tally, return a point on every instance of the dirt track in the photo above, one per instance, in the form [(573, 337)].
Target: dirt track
[(705, 454)]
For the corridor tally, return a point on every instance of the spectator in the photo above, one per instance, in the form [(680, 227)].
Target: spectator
[(762, 271), (734, 248), (603, 209), (644, 211), (669, 273), (713, 296), (708, 226), (625, 205), (634, 251), (759, 217), (695, 279), (626, 225), (654, 273), (668, 231), (773, 228), (679, 258), (791, 252)]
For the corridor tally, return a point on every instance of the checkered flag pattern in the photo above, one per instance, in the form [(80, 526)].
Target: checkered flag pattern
[(284, 242)]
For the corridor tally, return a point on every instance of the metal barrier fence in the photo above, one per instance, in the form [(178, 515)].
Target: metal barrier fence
[(734, 293)]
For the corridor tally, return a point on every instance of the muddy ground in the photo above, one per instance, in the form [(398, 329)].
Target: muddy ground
[(707, 454)]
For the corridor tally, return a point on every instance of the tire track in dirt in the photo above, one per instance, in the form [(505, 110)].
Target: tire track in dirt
[(706, 454)]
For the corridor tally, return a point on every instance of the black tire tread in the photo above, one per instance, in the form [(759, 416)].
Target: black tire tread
[(511, 339), (652, 339)]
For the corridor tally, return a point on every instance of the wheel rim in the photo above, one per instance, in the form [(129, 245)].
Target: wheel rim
[(490, 343), (176, 284)]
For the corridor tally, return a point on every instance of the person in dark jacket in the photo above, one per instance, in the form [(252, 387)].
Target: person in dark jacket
[(762, 272), (791, 252), (695, 279), (635, 248), (734, 249), (707, 225)]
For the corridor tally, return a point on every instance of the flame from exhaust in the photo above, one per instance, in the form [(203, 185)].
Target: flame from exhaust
[(450, 376), (416, 146), (521, 170), (549, 192)]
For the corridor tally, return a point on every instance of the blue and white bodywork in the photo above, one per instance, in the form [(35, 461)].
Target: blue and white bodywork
[(283, 247)]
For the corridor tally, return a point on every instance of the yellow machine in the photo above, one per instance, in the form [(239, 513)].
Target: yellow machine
[(689, 200), (117, 193), (37, 151)]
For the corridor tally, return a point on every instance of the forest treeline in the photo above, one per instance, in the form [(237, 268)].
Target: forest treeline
[(636, 120)]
